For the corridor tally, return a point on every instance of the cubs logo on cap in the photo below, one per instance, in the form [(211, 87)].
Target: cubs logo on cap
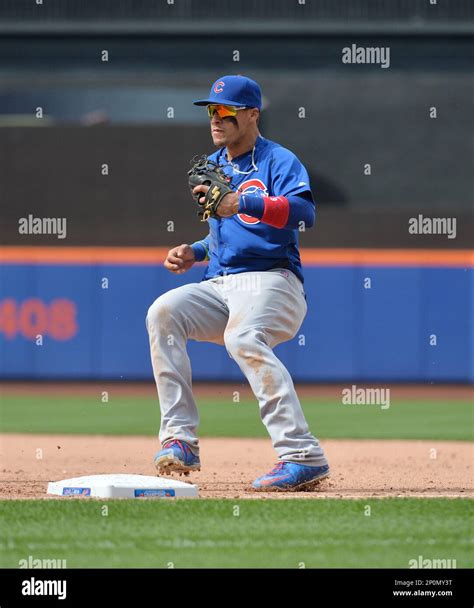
[(238, 91)]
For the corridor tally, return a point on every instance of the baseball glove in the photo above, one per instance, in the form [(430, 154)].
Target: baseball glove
[(205, 172)]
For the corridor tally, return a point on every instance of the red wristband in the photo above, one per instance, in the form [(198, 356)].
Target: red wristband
[(276, 211)]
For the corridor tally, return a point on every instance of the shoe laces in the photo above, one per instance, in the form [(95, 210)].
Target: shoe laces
[(172, 442), (277, 468)]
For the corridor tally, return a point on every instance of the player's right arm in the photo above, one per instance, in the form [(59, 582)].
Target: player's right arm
[(181, 258), (201, 249)]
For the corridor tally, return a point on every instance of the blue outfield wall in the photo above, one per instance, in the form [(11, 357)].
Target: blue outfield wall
[(412, 324)]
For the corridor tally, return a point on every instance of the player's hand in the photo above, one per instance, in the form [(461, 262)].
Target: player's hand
[(180, 259), (228, 206), (203, 189)]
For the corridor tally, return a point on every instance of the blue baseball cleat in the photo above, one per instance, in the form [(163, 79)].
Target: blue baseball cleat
[(176, 457), (289, 476)]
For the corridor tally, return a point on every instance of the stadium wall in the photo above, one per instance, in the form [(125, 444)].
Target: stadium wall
[(395, 315)]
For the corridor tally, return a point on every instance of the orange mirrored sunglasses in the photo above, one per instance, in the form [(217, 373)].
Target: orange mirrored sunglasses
[(222, 111)]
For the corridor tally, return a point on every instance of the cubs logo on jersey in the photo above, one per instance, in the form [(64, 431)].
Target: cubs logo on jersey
[(252, 186)]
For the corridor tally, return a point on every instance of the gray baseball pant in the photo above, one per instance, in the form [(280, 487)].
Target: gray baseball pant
[(250, 313)]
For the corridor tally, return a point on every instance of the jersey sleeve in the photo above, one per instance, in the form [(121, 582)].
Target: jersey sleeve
[(291, 201), (288, 174), (201, 249)]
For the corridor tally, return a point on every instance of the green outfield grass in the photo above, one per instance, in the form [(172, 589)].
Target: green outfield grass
[(263, 533), (220, 418)]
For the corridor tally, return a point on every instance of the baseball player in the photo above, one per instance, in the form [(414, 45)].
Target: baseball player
[(251, 297)]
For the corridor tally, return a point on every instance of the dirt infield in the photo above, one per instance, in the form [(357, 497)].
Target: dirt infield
[(360, 468)]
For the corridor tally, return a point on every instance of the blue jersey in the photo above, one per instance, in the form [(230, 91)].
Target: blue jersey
[(244, 243)]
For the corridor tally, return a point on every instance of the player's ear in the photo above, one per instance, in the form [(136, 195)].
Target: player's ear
[(255, 114)]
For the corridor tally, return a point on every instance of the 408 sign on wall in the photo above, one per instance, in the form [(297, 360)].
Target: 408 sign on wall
[(35, 319)]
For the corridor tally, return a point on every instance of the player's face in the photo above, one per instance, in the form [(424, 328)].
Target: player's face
[(228, 130)]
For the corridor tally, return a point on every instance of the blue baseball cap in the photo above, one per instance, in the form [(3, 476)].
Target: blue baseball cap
[(237, 91)]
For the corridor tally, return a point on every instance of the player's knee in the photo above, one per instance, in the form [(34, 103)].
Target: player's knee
[(231, 341), (243, 343), (158, 314)]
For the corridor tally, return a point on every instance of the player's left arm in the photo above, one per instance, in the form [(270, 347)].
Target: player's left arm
[(291, 202)]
